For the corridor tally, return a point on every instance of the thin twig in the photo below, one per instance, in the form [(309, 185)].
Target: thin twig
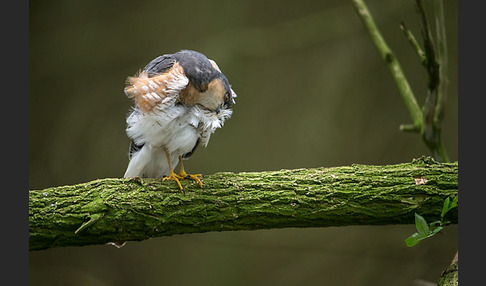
[(428, 121), (392, 63), (415, 45), (436, 86), (442, 59)]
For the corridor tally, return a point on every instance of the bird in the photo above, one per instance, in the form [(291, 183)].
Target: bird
[(179, 100)]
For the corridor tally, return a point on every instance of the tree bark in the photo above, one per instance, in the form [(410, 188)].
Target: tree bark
[(450, 276), (114, 210)]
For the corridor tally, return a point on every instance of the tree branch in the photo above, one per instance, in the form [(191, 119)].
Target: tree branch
[(414, 44), (114, 210), (426, 122), (437, 84), (450, 276), (442, 59), (392, 63)]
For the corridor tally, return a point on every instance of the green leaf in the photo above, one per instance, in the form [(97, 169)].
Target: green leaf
[(413, 239), (417, 237), (435, 231), (421, 225), (454, 202), (424, 229), (445, 208), (448, 206)]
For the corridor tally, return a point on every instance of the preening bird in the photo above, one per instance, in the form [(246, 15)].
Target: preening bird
[(179, 100)]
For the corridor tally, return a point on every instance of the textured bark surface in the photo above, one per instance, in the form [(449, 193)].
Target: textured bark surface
[(450, 277), (110, 210)]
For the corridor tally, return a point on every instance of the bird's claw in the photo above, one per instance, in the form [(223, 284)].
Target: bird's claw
[(195, 177), (174, 177), (184, 176)]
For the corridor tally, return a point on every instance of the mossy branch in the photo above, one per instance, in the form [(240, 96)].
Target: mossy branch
[(114, 210), (450, 276)]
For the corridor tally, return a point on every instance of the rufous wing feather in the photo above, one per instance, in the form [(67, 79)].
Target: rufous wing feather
[(149, 92)]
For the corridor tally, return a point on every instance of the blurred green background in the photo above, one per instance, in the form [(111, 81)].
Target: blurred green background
[(312, 91)]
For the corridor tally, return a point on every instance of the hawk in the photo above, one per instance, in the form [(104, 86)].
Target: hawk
[(179, 100)]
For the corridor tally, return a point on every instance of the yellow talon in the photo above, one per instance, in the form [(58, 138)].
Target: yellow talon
[(194, 177), (182, 173), (174, 177)]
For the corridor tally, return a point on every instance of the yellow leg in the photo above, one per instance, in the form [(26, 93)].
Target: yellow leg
[(183, 174), (172, 176)]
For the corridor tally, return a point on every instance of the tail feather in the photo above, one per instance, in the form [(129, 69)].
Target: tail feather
[(148, 162)]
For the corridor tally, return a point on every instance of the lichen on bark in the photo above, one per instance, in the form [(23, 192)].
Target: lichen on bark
[(110, 210)]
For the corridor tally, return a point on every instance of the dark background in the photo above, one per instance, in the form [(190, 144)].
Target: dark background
[(312, 91)]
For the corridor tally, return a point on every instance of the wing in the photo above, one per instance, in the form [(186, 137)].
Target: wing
[(159, 65), (159, 84)]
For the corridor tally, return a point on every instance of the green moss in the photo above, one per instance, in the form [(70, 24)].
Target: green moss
[(133, 209)]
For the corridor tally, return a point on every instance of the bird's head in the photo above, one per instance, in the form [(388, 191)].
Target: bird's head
[(218, 96), (208, 86)]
